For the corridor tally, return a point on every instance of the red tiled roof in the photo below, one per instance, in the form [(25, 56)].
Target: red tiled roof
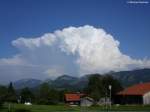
[(139, 89), (73, 96)]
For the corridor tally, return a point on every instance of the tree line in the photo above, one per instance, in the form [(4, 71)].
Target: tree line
[(96, 88)]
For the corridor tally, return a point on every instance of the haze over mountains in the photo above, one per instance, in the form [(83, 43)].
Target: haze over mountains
[(127, 78)]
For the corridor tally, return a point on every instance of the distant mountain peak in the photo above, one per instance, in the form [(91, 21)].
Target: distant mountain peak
[(27, 82), (66, 77)]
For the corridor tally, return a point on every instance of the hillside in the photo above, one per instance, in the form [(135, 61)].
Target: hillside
[(30, 83), (127, 78)]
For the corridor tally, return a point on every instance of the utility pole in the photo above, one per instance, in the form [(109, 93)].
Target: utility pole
[(110, 87), (9, 107), (106, 101)]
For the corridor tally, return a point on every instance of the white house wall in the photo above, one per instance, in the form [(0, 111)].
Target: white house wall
[(85, 102), (146, 98)]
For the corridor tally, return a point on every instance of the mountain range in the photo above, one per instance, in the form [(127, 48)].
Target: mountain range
[(31, 83), (127, 78)]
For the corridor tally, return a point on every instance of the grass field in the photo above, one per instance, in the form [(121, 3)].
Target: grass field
[(64, 108)]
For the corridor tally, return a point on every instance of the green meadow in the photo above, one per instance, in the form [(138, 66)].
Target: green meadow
[(65, 108)]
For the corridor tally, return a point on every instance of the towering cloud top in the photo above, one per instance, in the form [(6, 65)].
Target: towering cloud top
[(74, 50)]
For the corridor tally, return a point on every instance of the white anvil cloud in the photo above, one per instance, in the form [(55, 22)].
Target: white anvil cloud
[(76, 50)]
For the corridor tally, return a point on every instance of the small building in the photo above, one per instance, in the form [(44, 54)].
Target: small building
[(86, 101), (136, 94), (104, 101), (73, 98)]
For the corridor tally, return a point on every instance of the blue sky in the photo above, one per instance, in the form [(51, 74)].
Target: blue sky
[(127, 23)]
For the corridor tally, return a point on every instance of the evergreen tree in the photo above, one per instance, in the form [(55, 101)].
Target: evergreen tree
[(11, 94)]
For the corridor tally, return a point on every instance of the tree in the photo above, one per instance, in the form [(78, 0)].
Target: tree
[(48, 95), (3, 92), (116, 85), (11, 94), (53, 96), (95, 87), (98, 86), (43, 96), (26, 95)]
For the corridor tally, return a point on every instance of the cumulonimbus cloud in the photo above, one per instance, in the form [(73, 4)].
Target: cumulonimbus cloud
[(81, 50)]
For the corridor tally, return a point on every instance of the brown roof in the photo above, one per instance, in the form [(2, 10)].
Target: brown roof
[(139, 89), (73, 96)]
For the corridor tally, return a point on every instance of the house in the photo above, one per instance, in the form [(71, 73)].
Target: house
[(104, 101), (86, 101), (136, 94), (73, 98)]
